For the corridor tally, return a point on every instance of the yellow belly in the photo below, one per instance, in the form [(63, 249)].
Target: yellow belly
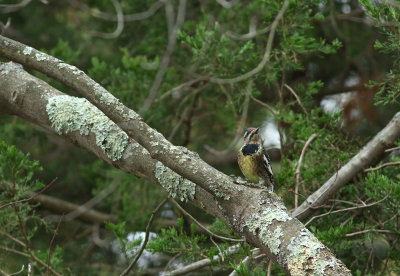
[(248, 169)]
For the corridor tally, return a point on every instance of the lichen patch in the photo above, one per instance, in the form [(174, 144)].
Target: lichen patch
[(68, 114), (259, 223), (303, 250), (176, 185)]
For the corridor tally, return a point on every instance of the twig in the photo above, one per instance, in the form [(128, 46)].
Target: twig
[(255, 254), (7, 8), (93, 201), (392, 149), (369, 230), (227, 4), (146, 238), (269, 267), (243, 118), (348, 209), (245, 261), (201, 226), (120, 23), (264, 105), (202, 263), (173, 28), (267, 52), (12, 274), (127, 17), (179, 87), (30, 253), (32, 197), (219, 249), (382, 166), (14, 251), (298, 176), (51, 243), (170, 261), (297, 97), (4, 27), (251, 34)]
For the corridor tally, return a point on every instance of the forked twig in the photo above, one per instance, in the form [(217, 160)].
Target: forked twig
[(298, 176)]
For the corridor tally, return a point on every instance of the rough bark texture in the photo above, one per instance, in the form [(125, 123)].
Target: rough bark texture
[(256, 214)]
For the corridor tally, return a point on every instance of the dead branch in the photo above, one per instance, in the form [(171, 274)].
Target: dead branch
[(296, 191)]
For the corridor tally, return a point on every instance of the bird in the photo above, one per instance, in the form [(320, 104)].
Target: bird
[(254, 160)]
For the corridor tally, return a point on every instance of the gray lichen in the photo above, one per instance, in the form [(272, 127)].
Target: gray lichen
[(108, 99), (259, 224), (176, 185), (68, 114), (40, 56), (302, 252), (27, 50)]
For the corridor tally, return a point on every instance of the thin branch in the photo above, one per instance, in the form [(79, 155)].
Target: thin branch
[(93, 201), (4, 27), (267, 52), (146, 238), (179, 88), (170, 261), (51, 243), (382, 166), (7, 8), (202, 263), (30, 253), (370, 230), (120, 23), (227, 4), (348, 209), (270, 108), (62, 206), (32, 197), (269, 268), (392, 149), (250, 35), (18, 272), (14, 251), (219, 249), (201, 226), (297, 97), (298, 176), (173, 29), (126, 17), (245, 261)]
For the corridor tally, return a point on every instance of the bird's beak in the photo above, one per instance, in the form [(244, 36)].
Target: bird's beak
[(256, 131)]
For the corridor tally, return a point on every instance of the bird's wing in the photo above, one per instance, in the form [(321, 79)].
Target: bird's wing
[(267, 165)]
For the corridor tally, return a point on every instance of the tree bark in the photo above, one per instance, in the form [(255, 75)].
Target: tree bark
[(255, 214)]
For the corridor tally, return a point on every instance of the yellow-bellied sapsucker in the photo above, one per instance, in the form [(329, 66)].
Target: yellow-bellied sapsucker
[(254, 161)]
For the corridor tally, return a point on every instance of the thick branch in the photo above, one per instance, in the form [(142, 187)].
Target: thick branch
[(255, 214)]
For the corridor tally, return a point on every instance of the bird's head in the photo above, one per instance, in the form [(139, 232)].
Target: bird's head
[(251, 136)]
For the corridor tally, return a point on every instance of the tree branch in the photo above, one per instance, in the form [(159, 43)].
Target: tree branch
[(120, 23), (173, 28), (383, 140), (296, 191), (267, 52), (256, 214)]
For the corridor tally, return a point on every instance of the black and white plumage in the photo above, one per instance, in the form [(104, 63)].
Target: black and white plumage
[(254, 161)]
